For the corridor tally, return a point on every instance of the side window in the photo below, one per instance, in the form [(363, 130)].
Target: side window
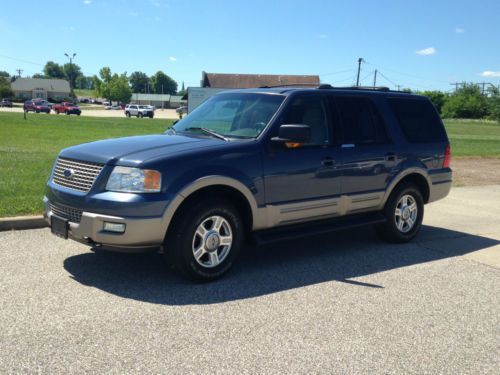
[(361, 121), (418, 119), (309, 110)]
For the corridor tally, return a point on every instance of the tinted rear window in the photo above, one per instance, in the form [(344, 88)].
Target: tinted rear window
[(419, 120)]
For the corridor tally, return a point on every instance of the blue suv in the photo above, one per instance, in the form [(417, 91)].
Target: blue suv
[(256, 164)]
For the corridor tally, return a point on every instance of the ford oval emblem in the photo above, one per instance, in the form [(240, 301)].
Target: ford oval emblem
[(69, 173)]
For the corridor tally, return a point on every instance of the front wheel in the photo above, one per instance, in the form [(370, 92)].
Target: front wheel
[(205, 240), (404, 211), (127, 114), (139, 115)]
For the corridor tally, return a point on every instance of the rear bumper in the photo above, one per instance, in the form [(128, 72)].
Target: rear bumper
[(440, 184), (141, 233)]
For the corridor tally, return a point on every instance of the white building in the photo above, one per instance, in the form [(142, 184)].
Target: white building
[(31, 88)]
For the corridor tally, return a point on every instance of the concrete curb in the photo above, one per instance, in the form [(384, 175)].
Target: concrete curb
[(22, 222)]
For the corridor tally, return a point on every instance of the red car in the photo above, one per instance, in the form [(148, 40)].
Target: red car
[(36, 106), (68, 108)]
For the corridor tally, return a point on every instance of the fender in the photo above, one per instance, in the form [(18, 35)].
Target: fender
[(259, 219), (406, 172)]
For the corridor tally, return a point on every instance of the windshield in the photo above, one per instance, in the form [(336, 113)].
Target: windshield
[(233, 115), (143, 107)]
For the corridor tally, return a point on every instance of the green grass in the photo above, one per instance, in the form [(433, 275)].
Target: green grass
[(29, 147), (84, 93), (473, 138)]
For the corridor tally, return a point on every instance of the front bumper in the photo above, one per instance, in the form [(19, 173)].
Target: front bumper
[(141, 233)]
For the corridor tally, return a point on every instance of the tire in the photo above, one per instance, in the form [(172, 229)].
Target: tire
[(403, 223), (67, 112), (127, 114), (57, 112), (193, 240), (37, 111), (139, 115), (151, 116)]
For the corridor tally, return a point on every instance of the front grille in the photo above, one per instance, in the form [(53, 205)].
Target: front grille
[(72, 214), (83, 175)]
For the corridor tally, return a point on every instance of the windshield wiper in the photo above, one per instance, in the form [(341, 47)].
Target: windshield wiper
[(210, 132)]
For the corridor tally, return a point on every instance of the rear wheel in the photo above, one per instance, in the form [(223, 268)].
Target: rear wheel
[(127, 114), (205, 240), (404, 211), (139, 115)]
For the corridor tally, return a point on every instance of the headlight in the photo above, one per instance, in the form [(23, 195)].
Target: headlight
[(134, 180)]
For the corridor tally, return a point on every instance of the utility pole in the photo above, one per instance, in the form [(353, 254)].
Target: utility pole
[(456, 85), (399, 87), (360, 60), (375, 79), (19, 71), (71, 69)]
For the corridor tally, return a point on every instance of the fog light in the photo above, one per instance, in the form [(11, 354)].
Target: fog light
[(114, 227)]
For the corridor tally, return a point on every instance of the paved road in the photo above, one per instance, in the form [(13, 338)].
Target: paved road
[(343, 303), (159, 113)]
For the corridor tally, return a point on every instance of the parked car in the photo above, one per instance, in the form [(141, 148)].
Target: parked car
[(67, 108), (182, 110), (139, 110), (260, 165), (6, 102), (36, 106), (44, 102)]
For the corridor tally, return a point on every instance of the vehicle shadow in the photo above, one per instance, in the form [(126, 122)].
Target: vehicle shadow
[(269, 269)]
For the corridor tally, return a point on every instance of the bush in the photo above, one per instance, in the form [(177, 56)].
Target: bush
[(466, 102)]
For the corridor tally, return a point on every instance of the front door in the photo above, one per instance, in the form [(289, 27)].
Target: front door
[(303, 183)]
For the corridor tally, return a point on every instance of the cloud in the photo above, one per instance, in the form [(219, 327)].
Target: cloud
[(491, 74), (459, 30), (426, 51), (87, 2), (172, 58)]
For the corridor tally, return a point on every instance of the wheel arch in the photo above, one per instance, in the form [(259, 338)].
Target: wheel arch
[(416, 176), (231, 189)]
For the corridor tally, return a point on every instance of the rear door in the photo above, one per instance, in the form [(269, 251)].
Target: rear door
[(368, 154)]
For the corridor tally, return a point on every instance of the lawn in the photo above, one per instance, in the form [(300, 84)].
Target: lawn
[(473, 138), (29, 147)]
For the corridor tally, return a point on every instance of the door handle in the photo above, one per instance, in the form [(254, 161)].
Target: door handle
[(328, 162), (390, 156)]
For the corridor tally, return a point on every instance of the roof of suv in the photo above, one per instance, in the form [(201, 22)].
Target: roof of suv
[(287, 90)]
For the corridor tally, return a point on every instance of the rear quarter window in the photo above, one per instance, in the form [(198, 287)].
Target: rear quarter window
[(419, 120)]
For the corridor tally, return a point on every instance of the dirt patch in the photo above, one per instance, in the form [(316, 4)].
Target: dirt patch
[(475, 171)]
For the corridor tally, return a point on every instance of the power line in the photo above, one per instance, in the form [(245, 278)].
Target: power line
[(337, 72), (407, 74), (387, 79), (20, 60)]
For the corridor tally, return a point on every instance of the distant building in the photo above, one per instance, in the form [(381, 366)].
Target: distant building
[(31, 88), (245, 81), (158, 100)]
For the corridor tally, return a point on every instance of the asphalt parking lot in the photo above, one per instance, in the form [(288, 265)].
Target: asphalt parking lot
[(342, 303)]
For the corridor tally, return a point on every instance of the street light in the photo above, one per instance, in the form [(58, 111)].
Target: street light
[(71, 68)]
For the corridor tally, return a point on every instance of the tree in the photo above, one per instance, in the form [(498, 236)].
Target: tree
[(437, 98), (38, 75), (5, 90), (4, 74), (72, 72), (494, 103), (162, 83), (138, 81), (84, 82), (53, 70), (112, 86), (466, 102), (119, 88)]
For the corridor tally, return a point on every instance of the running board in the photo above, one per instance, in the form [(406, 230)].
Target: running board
[(315, 228)]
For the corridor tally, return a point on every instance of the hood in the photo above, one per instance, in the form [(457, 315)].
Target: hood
[(138, 149)]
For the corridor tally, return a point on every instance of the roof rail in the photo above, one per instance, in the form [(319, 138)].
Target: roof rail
[(376, 88), (290, 85)]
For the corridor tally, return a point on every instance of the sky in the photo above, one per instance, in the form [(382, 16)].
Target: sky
[(422, 44)]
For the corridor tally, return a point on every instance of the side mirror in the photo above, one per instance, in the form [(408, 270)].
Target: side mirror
[(293, 135)]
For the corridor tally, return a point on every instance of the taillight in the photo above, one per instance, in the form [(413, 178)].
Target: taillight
[(447, 156)]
